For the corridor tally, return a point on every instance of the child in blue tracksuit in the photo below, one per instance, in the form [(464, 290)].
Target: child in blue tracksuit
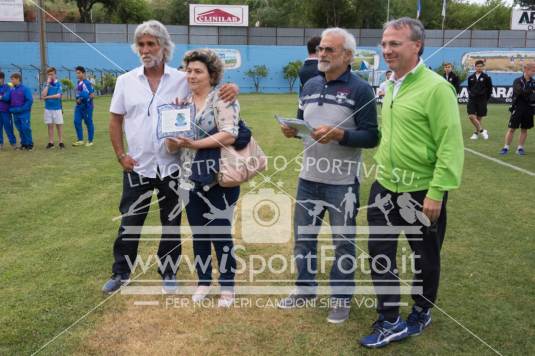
[(20, 106), (84, 108), (6, 122)]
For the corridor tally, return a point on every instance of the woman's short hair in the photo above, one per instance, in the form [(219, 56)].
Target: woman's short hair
[(210, 59)]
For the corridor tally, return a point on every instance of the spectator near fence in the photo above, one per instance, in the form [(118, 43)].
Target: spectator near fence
[(83, 111), (6, 121), (522, 109), (51, 94), (310, 66), (479, 93), (20, 105)]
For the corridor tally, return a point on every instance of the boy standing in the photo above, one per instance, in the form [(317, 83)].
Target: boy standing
[(84, 109), (479, 92), (20, 99), (6, 122), (522, 109), (51, 94)]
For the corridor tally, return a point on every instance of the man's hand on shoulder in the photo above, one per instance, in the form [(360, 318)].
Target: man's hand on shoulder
[(229, 92)]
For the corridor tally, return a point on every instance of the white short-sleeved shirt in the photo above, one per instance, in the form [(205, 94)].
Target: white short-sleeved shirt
[(132, 99)]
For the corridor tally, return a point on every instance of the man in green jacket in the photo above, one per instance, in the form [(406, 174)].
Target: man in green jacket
[(419, 159)]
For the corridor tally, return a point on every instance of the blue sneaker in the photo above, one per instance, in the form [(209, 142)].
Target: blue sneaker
[(169, 285), (115, 282), (520, 152), (417, 321), (504, 151), (385, 332)]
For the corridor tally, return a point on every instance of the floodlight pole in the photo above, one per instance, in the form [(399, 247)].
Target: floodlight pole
[(42, 43)]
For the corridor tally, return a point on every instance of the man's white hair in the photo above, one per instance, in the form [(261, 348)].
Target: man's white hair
[(156, 29), (349, 40)]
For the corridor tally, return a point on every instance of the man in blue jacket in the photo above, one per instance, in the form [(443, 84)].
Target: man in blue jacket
[(84, 109), (6, 122), (20, 100)]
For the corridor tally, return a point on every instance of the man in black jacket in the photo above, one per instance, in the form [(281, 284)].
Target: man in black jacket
[(451, 77), (522, 109), (479, 92), (310, 67)]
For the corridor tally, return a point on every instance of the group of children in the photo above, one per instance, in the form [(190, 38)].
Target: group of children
[(16, 105)]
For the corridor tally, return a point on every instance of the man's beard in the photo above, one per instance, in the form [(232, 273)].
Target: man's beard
[(323, 66), (151, 61)]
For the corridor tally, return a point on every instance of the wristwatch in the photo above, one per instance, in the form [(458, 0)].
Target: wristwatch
[(121, 156)]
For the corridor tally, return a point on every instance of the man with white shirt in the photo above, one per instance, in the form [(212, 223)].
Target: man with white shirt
[(147, 165), (421, 159)]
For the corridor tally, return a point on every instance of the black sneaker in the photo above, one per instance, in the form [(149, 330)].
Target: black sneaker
[(49, 146), (61, 146)]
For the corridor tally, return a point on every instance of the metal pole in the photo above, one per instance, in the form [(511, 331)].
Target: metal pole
[(388, 11), (42, 43)]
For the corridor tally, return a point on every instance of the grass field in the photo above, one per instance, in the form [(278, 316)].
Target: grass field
[(57, 233)]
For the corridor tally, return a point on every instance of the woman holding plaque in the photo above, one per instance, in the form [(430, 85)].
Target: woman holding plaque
[(210, 209)]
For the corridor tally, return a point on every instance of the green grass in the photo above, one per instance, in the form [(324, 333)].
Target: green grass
[(57, 233)]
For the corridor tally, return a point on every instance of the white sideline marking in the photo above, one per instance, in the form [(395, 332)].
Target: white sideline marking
[(522, 170)]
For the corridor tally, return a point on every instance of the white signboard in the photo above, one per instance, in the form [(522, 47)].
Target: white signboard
[(231, 57), (11, 10), (218, 15), (522, 19)]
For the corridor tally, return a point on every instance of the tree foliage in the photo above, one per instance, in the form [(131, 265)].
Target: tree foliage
[(85, 6), (492, 15), (291, 72), (257, 73), (67, 85)]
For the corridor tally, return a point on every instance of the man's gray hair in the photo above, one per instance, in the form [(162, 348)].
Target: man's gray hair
[(349, 40), (156, 29), (416, 27)]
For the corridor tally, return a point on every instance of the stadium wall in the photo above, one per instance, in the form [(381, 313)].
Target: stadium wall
[(106, 57)]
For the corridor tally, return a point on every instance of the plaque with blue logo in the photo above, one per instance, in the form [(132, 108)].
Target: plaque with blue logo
[(174, 121)]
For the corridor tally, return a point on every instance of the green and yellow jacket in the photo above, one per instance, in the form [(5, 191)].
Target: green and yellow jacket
[(421, 142)]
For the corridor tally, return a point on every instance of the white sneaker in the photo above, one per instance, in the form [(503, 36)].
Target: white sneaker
[(474, 136), (226, 300), (485, 135), (200, 293)]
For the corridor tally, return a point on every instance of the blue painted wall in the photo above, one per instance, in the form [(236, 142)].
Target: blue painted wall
[(103, 55)]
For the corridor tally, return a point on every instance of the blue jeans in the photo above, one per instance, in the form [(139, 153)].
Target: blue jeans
[(85, 114), (313, 200), (6, 123), (212, 210)]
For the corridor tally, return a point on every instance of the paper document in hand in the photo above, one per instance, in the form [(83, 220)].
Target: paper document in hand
[(174, 121), (303, 128)]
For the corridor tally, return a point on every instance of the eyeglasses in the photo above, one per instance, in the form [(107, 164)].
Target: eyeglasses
[(328, 50)]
